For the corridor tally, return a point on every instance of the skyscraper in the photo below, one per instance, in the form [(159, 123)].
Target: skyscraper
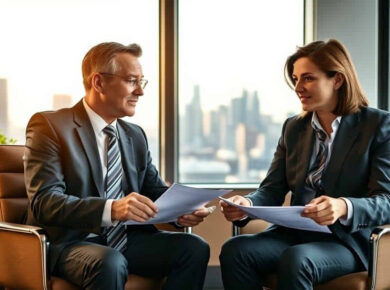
[(3, 106), (193, 132)]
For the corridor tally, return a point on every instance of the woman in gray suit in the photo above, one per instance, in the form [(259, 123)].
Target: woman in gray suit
[(335, 159)]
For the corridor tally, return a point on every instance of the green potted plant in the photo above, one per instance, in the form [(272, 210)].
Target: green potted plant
[(4, 140)]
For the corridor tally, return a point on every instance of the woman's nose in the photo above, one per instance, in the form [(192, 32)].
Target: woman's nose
[(298, 87)]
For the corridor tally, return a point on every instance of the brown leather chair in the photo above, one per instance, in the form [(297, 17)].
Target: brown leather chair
[(377, 277), (24, 248)]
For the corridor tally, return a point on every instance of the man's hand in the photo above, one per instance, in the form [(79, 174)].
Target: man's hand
[(326, 210), (191, 220), (232, 213), (135, 207)]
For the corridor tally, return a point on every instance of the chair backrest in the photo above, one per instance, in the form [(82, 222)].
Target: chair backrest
[(13, 196)]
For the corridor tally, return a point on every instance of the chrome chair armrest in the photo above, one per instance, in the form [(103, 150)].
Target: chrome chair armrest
[(379, 258), (22, 228), (16, 241), (236, 230)]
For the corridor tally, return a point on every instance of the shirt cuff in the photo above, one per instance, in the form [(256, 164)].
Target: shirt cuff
[(251, 204), (348, 220), (106, 219)]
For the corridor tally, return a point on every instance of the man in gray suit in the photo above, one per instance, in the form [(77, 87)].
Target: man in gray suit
[(87, 171)]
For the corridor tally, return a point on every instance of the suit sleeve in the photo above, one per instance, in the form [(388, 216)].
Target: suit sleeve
[(273, 189), (46, 187), (373, 209)]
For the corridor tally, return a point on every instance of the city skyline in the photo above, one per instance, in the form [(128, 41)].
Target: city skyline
[(235, 145)]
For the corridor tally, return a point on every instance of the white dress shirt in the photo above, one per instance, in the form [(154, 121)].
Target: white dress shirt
[(329, 143), (98, 124)]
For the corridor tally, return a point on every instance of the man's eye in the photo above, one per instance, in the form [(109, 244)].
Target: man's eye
[(132, 81)]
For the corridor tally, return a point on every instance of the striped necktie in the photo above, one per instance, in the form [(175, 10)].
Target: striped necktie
[(314, 176), (115, 235)]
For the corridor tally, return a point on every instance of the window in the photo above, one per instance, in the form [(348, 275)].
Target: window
[(232, 95), (44, 42)]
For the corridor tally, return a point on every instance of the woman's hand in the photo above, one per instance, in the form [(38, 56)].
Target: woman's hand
[(232, 213), (326, 210), (195, 218)]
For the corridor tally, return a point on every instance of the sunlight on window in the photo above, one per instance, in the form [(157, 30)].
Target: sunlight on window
[(44, 42), (232, 95)]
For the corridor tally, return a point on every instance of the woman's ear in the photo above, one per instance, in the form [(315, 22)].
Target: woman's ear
[(96, 82), (338, 80)]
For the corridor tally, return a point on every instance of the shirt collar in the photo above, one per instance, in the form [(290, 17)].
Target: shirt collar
[(98, 123), (315, 123)]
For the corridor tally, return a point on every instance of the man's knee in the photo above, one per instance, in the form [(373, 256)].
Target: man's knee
[(190, 249), (106, 270), (114, 261), (196, 246)]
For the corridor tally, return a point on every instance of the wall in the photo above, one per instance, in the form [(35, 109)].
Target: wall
[(354, 23)]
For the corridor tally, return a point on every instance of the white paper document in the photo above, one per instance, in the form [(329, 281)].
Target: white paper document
[(179, 200), (287, 216)]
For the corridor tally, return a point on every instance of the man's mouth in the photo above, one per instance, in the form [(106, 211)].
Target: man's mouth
[(132, 101)]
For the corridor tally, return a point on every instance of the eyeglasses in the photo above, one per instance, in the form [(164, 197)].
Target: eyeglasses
[(132, 81)]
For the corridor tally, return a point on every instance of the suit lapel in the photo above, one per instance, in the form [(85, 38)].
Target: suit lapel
[(304, 148), (128, 156), (88, 141), (345, 138)]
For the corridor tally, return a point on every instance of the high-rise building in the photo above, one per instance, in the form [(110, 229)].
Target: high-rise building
[(239, 109), (3, 107), (193, 131), (252, 111)]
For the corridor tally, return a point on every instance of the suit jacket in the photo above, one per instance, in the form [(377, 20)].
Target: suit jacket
[(64, 179), (358, 169)]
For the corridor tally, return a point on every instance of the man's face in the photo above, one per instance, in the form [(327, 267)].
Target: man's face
[(120, 93)]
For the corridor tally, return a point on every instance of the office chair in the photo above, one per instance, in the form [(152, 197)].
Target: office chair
[(24, 248)]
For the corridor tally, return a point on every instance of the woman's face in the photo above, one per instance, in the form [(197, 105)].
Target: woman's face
[(316, 91)]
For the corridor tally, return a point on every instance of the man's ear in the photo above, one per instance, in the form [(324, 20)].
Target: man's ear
[(96, 82), (338, 80)]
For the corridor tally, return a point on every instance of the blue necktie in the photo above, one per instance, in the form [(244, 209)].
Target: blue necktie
[(115, 235), (314, 177)]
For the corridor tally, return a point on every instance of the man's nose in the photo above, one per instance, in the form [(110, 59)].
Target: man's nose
[(139, 91)]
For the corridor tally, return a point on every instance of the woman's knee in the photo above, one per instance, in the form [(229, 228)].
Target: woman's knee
[(232, 249)]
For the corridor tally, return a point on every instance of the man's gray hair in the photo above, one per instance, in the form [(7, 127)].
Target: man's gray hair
[(101, 58)]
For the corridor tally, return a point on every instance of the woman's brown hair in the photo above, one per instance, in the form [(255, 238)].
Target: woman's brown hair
[(332, 57)]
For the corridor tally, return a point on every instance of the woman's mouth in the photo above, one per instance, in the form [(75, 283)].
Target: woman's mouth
[(304, 98)]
